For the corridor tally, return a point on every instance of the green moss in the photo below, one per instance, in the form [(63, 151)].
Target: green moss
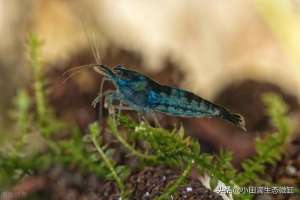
[(159, 146), (269, 149)]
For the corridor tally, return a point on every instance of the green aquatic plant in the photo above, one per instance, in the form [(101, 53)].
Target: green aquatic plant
[(269, 149), (152, 146), (177, 183), (15, 161), (45, 119), (118, 173)]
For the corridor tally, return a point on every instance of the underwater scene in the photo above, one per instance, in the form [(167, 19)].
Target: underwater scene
[(150, 100)]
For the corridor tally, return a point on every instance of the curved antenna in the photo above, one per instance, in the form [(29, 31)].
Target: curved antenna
[(75, 70), (92, 43), (93, 46), (95, 49)]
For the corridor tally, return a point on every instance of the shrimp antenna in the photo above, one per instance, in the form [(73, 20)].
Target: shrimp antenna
[(93, 46), (75, 70), (93, 43)]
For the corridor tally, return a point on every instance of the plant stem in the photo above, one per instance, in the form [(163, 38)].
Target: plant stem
[(109, 165), (170, 190), (127, 145), (34, 45)]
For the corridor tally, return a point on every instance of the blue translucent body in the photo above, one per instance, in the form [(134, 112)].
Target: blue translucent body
[(145, 95)]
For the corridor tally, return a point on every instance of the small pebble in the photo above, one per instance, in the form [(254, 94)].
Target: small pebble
[(291, 170), (189, 189)]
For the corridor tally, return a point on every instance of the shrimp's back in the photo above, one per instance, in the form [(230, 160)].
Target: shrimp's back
[(178, 102)]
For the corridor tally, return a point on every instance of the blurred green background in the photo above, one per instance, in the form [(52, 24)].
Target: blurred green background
[(230, 52)]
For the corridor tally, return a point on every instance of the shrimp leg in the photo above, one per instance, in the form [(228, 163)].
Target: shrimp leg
[(120, 107), (97, 99), (155, 119), (109, 99)]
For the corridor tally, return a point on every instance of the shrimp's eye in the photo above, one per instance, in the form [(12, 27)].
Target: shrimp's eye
[(124, 73), (119, 68), (119, 71)]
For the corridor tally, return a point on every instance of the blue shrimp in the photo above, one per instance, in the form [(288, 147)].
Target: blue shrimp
[(145, 95)]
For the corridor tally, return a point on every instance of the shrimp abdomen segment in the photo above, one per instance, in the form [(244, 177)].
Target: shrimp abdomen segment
[(179, 102)]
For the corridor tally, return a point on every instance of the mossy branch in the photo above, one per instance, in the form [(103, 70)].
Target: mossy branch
[(95, 131), (113, 127), (34, 51), (269, 149), (22, 103), (172, 188)]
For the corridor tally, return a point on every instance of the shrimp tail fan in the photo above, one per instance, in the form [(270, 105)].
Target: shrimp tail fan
[(234, 118)]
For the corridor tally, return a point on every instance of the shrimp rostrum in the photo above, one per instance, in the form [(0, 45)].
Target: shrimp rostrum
[(144, 95)]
